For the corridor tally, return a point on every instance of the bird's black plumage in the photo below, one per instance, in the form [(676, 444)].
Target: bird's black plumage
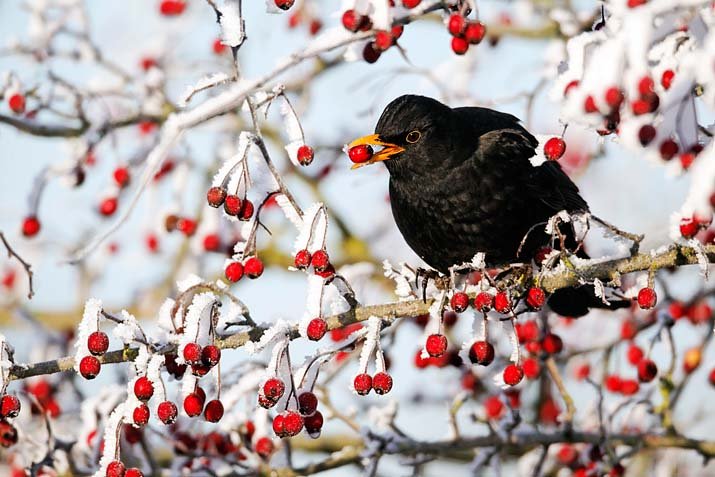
[(466, 185)]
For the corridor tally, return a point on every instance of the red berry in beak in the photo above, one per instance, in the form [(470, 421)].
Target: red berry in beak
[(360, 153)]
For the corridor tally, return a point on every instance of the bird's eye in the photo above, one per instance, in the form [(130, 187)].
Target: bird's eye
[(413, 136)]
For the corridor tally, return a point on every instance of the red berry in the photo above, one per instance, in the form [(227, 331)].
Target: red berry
[(193, 404), (554, 148), (253, 267), (215, 196), (362, 384), (351, 20), (143, 388), (293, 423), (307, 403), (647, 370), (667, 79), (317, 329), (218, 47), (284, 4), (629, 387), (265, 402), (8, 434), (640, 106), (513, 374), (360, 153), (531, 368), (474, 33), (108, 206), (167, 412), (614, 97), (320, 260), (17, 103), (273, 389), (582, 372), (552, 343), (383, 40), (210, 355), (172, 7), (436, 345), (459, 45), (121, 176), (645, 86), (636, 3), (9, 406), (115, 469), (313, 423), (646, 134), (481, 352), (89, 367), (647, 298), (134, 472), (305, 155), (459, 301), (382, 383), (397, 31), (571, 85), (711, 377), (456, 24), (186, 226), (98, 343), (635, 354), (589, 104), (232, 205), (686, 160), (370, 54), (484, 301), (502, 303), (30, 226), (234, 271), (212, 243), (192, 353), (302, 259), (688, 227), (213, 411), (493, 407), (668, 149), (410, 3), (264, 447), (535, 298), (141, 415)]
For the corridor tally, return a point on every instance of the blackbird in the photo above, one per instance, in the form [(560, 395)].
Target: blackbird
[(461, 182)]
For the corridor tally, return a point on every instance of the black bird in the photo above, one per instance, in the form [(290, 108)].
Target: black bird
[(461, 182)]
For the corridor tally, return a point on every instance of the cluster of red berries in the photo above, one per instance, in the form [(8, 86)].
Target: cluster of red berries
[(319, 260), (16, 102), (381, 382), (171, 8), (117, 469), (301, 16), (690, 226), (252, 267), (97, 344), (464, 32), (233, 205), (289, 423), (697, 313), (9, 408), (201, 359), (44, 393)]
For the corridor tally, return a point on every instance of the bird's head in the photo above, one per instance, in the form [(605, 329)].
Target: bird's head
[(413, 132)]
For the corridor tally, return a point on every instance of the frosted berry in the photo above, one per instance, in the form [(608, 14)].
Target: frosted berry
[(436, 345), (513, 374), (589, 104), (9, 406), (383, 40), (667, 79), (192, 353), (253, 267), (531, 368), (216, 196), (320, 260), (141, 415), (502, 303), (614, 97), (456, 24), (302, 259), (234, 271), (284, 4), (108, 206), (133, 472), (167, 412), (459, 301), (351, 20), (362, 384), (484, 301), (647, 298), (193, 404), (292, 423), (647, 370), (265, 402), (360, 153), (143, 388), (274, 388), (646, 134), (98, 343), (232, 205), (645, 86), (264, 447), (459, 45), (200, 370), (535, 298), (317, 329), (305, 155), (382, 383), (210, 355), (554, 148), (213, 411), (247, 209), (115, 469), (307, 403), (89, 367), (688, 227), (634, 354), (474, 32), (481, 352), (313, 423), (30, 226), (552, 343)]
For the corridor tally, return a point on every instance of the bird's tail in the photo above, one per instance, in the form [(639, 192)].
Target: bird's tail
[(577, 301)]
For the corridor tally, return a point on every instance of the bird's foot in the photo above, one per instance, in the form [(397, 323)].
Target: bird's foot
[(424, 275), (636, 239)]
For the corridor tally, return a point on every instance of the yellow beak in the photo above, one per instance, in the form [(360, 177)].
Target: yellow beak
[(388, 149)]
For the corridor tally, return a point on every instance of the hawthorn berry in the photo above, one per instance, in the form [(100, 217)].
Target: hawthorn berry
[(143, 388), (284, 4), (668, 149), (210, 355), (531, 368), (629, 328), (589, 104), (646, 134), (502, 302), (307, 403), (200, 370), (351, 20), (459, 302), (382, 383), (193, 404), (133, 472), (216, 196), (253, 267), (9, 406), (8, 434), (436, 345), (481, 352), (629, 387), (212, 243), (186, 226), (646, 85), (234, 271), (218, 47), (493, 407), (89, 367), (30, 226), (264, 447), (232, 205), (192, 353), (634, 354), (213, 411), (582, 371), (360, 153), (140, 415), (711, 377), (167, 412), (484, 301), (647, 370), (292, 423), (305, 155), (265, 402), (459, 45), (647, 298), (474, 32), (456, 24), (172, 8), (396, 32), (313, 423), (362, 384), (370, 54), (666, 80), (302, 259), (274, 388), (640, 106), (552, 343), (614, 97), (513, 374), (247, 210), (410, 3), (383, 40), (571, 85), (636, 3), (317, 329), (108, 206), (535, 298), (692, 359), (98, 343), (554, 148), (16, 102), (688, 227), (320, 260), (115, 469)]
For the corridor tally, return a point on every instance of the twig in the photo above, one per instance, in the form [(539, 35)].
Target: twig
[(559, 382), (28, 268)]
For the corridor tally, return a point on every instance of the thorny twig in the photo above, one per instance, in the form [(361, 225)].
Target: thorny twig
[(28, 268)]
